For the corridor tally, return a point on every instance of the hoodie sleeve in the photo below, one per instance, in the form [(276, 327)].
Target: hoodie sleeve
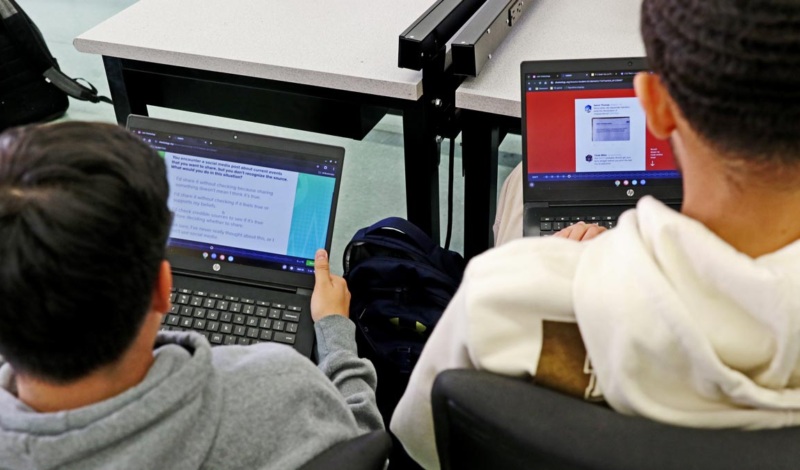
[(412, 421), (354, 377), (495, 323)]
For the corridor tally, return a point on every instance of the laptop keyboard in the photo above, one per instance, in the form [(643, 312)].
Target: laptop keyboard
[(551, 225), (225, 319)]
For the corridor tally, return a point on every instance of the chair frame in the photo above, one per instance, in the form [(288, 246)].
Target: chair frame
[(366, 452), (483, 420)]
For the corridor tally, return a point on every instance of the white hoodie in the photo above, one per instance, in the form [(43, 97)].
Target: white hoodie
[(680, 327)]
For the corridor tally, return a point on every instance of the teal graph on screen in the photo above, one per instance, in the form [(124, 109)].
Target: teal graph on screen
[(312, 209)]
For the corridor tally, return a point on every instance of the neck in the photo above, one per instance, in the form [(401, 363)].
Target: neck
[(754, 215), (102, 384)]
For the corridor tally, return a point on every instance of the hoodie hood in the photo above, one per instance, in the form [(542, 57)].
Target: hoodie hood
[(682, 328), (152, 425)]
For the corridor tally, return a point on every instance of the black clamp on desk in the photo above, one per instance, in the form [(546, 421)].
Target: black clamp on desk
[(423, 46), (475, 43)]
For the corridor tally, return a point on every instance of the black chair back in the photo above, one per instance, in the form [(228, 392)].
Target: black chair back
[(486, 421), (365, 452)]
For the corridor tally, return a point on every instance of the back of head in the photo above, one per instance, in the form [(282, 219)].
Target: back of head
[(83, 227), (733, 68)]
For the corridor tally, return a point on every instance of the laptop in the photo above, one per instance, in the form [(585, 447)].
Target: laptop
[(587, 154), (250, 211)]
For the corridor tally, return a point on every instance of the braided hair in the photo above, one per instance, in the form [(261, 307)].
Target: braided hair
[(733, 68)]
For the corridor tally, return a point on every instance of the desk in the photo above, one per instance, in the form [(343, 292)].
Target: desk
[(490, 103), (327, 67)]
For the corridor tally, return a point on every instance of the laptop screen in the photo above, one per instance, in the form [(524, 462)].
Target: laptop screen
[(584, 129), (245, 200)]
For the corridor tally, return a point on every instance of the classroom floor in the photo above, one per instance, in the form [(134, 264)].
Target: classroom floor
[(373, 183)]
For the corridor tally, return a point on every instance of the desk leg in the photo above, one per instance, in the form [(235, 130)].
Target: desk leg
[(123, 91), (422, 170), (480, 141)]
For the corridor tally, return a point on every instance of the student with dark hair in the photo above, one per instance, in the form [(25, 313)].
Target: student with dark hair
[(689, 318), (88, 382)]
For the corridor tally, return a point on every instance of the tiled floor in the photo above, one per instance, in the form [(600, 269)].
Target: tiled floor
[(373, 184)]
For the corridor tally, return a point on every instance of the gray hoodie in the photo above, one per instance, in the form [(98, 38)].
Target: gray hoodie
[(253, 407)]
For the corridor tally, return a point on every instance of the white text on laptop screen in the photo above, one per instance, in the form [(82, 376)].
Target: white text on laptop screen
[(244, 205)]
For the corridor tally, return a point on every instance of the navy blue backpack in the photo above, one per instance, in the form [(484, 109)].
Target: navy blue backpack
[(401, 282)]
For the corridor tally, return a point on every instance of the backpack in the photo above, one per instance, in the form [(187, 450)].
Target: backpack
[(32, 87), (400, 282)]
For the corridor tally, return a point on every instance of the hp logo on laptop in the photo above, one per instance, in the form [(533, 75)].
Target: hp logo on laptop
[(216, 267), (629, 193)]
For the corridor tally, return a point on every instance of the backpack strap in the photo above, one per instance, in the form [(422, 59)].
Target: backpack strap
[(25, 35), (414, 233)]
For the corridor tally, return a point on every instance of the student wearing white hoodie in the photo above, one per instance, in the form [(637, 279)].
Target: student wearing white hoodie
[(689, 318), (89, 382)]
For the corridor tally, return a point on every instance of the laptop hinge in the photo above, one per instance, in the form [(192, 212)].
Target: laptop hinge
[(237, 280), (304, 291), (537, 205)]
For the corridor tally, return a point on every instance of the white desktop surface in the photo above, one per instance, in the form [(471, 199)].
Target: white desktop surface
[(347, 45), (550, 30)]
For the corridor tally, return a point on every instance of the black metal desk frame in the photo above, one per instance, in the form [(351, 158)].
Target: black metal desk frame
[(481, 137), (482, 133)]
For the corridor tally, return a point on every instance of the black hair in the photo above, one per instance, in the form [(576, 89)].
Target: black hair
[(83, 228), (733, 68)]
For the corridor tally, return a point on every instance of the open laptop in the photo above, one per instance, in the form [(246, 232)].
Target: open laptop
[(249, 213), (587, 153)]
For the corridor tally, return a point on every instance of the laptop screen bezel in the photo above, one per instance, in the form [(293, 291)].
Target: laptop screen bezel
[(542, 192), (237, 272)]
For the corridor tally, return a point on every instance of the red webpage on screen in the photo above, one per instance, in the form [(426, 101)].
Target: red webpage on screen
[(551, 131)]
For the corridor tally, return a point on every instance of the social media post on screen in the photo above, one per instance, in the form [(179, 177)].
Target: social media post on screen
[(231, 204), (610, 135)]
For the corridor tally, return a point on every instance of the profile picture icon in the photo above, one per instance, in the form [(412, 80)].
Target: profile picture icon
[(588, 108), (588, 158)]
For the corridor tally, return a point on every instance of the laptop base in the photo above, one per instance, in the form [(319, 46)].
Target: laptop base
[(228, 313), (541, 219)]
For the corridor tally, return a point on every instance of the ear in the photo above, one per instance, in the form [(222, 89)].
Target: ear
[(659, 108), (162, 289)]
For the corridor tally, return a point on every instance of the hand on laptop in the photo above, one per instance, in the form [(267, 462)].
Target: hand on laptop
[(581, 231), (331, 296)]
